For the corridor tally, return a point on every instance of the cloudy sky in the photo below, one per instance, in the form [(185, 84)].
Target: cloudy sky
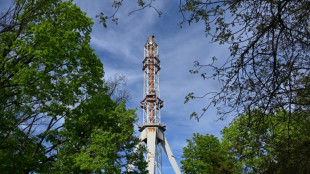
[(120, 48)]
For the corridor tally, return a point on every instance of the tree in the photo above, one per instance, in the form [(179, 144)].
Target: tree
[(117, 88), (98, 136), (117, 5), (205, 154), (270, 144), (55, 113), (269, 52), (253, 143)]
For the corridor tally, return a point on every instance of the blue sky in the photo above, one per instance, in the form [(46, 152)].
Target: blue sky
[(120, 48)]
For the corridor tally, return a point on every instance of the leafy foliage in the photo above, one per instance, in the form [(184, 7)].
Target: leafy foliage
[(205, 154), (270, 144), (253, 143), (55, 113), (269, 52), (97, 138)]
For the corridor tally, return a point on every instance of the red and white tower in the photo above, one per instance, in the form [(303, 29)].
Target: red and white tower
[(151, 103), (152, 131)]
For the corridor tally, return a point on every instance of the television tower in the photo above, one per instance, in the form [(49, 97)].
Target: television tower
[(152, 131)]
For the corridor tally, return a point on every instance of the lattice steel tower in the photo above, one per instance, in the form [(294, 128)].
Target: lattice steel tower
[(152, 131)]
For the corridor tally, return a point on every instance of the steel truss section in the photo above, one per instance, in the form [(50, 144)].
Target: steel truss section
[(152, 131)]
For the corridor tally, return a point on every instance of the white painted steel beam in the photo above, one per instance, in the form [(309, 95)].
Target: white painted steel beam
[(170, 156), (151, 148)]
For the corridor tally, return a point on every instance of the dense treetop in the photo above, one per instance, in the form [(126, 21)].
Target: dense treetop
[(56, 113)]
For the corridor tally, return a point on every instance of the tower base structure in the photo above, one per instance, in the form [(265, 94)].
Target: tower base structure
[(153, 135)]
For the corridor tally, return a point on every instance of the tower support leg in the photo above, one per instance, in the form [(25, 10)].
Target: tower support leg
[(152, 135), (170, 156), (151, 148)]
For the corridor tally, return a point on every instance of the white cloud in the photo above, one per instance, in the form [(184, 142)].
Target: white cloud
[(120, 47)]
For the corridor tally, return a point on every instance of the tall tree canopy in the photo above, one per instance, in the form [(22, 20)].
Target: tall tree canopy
[(55, 111), (269, 52), (273, 143), (253, 143), (206, 154)]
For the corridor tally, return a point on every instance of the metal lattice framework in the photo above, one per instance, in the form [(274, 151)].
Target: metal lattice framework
[(152, 131), (151, 104)]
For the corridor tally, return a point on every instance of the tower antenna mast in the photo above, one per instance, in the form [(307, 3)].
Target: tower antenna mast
[(152, 131)]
